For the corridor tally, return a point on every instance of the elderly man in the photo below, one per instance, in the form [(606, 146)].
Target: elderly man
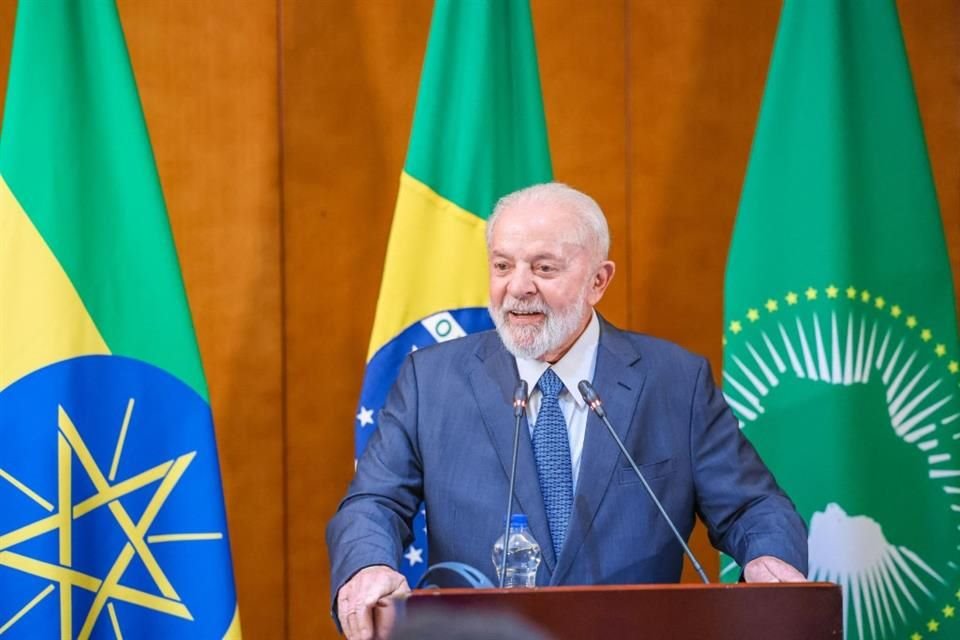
[(446, 432)]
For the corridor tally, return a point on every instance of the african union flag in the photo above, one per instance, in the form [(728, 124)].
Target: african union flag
[(841, 356), (111, 511), (478, 134)]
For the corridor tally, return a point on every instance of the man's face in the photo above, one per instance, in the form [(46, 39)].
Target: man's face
[(543, 281)]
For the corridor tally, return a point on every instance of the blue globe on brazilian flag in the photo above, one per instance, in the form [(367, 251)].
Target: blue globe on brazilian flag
[(111, 510), (478, 133), (841, 356)]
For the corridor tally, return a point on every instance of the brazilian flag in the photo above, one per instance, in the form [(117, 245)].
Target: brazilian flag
[(111, 510), (478, 134), (842, 360)]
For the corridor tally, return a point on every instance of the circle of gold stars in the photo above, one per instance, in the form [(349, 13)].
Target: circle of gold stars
[(832, 292), (932, 626)]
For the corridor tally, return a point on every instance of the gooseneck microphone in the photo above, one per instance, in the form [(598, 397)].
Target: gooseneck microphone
[(519, 406), (593, 401)]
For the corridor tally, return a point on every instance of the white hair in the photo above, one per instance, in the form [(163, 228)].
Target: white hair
[(593, 233)]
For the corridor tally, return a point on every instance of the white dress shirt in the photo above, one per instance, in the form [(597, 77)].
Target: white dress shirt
[(577, 364)]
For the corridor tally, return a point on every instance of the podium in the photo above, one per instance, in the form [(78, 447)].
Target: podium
[(804, 611)]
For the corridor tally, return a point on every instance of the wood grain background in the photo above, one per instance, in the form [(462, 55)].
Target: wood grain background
[(280, 128)]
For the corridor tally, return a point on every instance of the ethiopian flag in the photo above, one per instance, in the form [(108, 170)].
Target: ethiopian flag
[(478, 134), (111, 510), (841, 355)]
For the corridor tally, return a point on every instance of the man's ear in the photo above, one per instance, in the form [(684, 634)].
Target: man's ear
[(601, 280)]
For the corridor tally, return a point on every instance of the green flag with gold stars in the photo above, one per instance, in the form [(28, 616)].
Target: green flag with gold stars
[(841, 355)]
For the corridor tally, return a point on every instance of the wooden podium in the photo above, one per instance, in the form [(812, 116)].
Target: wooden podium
[(806, 611)]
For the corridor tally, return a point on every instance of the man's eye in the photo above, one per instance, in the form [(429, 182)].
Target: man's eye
[(499, 266)]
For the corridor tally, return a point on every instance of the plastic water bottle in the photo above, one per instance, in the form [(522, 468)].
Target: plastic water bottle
[(523, 554)]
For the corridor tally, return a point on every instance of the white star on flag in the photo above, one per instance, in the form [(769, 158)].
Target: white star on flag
[(365, 416), (414, 555)]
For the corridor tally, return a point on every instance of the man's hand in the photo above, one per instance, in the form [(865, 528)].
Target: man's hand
[(770, 569), (363, 603)]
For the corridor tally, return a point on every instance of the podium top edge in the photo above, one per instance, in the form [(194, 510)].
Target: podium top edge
[(821, 586)]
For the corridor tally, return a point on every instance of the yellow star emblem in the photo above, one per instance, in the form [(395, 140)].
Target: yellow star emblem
[(811, 293), (916, 636), (723, 340), (791, 298), (865, 296), (878, 302), (736, 327), (107, 496), (771, 305), (925, 335), (940, 350), (832, 291), (948, 611), (933, 625), (851, 293), (911, 321), (753, 315), (954, 366), (895, 311)]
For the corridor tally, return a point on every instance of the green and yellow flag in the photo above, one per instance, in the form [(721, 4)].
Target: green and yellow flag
[(111, 510), (478, 134), (841, 356)]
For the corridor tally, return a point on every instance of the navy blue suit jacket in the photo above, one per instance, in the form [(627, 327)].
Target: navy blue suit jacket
[(445, 436)]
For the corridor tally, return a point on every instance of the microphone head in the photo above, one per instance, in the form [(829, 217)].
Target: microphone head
[(588, 392), (520, 398), (590, 397)]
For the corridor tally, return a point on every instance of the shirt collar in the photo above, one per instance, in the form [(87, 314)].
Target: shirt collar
[(576, 364)]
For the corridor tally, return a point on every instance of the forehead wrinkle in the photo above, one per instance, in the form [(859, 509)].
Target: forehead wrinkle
[(565, 234)]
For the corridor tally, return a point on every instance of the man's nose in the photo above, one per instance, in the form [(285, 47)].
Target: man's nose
[(521, 284)]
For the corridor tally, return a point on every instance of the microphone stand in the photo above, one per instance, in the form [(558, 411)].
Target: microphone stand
[(519, 405)]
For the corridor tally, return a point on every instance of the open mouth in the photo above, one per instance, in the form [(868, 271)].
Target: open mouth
[(525, 316)]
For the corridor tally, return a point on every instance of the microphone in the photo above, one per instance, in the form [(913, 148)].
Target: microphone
[(519, 406), (593, 401)]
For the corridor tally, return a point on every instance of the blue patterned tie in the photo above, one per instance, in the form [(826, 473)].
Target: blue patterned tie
[(551, 449)]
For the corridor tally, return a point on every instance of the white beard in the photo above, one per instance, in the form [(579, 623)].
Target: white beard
[(531, 341)]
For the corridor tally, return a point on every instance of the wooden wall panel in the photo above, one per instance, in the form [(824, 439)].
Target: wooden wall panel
[(697, 75), (585, 103), (931, 31), (351, 71), (8, 12), (207, 75)]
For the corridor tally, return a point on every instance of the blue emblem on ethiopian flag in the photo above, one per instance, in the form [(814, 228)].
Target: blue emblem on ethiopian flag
[(478, 134), (111, 510), (113, 516)]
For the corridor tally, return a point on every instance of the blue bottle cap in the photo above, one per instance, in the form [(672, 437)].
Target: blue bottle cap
[(518, 520)]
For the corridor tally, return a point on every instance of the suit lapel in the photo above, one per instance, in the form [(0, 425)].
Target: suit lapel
[(619, 384), (493, 381)]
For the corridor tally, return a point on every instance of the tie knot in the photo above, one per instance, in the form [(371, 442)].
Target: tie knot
[(550, 384)]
